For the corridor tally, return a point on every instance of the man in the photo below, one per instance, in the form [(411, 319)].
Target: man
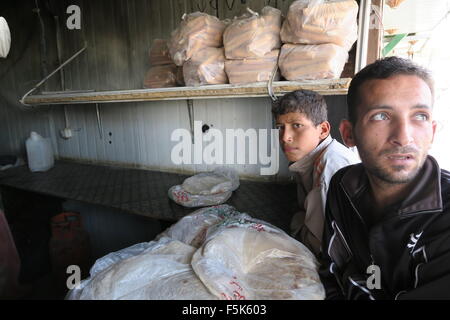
[(301, 117), (387, 229)]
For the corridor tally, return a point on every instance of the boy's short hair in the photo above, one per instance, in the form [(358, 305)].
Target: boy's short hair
[(310, 103), (383, 69)]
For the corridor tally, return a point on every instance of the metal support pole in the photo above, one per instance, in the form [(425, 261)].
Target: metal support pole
[(363, 34)]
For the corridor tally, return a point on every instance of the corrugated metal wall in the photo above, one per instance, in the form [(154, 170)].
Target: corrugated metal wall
[(18, 73), (119, 34)]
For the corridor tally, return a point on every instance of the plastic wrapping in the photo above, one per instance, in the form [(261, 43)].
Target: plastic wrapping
[(253, 35), (207, 183), (213, 253), (192, 228), (161, 76), (311, 62), (5, 38), (180, 77), (394, 3), (149, 271), (252, 70), (207, 66), (319, 22), (245, 258), (196, 31), (159, 53), (206, 188)]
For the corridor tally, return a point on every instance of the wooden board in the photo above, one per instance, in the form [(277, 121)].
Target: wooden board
[(324, 87)]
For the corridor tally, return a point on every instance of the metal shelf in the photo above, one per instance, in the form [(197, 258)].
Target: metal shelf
[(258, 89)]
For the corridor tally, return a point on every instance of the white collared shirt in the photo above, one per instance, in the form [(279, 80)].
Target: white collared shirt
[(314, 173)]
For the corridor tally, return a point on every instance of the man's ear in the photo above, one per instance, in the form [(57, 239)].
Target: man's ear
[(434, 128), (346, 130), (325, 129)]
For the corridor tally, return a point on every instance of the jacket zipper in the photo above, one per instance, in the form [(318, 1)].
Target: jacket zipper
[(367, 232), (354, 208), (337, 230)]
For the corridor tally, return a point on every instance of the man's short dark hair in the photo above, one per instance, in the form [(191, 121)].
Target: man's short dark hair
[(310, 103), (383, 69)]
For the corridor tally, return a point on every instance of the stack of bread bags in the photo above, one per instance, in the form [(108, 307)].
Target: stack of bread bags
[(162, 72), (196, 45), (317, 36), (252, 43)]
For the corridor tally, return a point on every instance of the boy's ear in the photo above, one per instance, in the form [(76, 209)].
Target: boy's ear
[(325, 129), (346, 130)]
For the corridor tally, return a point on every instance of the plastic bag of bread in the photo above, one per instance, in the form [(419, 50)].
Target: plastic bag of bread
[(245, 258), (394, 3), (319, 21), (311, 62), (213, 253), (207, 66), (252, 70), (253, 35), (205, 188), (159, 53), (192, 229), (161, 76), (149, 271), (180, 77), (196, 31)]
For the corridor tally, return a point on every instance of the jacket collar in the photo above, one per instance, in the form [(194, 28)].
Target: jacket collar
[(425, 196), (304, 164)]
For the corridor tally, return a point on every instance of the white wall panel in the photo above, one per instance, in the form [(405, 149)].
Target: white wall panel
[(119, 35), (141, 132)]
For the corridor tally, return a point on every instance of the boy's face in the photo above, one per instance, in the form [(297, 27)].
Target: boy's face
[(298, 135)]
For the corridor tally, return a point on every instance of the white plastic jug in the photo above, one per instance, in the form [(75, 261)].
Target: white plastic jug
[(40, 153)]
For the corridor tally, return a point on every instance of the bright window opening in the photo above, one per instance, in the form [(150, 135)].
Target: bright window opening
[(424, 39)]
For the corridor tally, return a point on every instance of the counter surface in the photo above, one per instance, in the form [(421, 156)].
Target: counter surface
[(144, 192)]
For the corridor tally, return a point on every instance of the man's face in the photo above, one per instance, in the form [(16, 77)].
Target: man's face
[(394, 128), (298, 135)]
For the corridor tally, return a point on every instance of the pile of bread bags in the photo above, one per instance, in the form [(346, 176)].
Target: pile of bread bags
[(163, 73), (311, 43), (317, 36), (213, 253)]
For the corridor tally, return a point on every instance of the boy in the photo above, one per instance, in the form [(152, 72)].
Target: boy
[(301, 117)]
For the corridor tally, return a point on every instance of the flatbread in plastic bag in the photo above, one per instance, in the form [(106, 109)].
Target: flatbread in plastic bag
[(319, 21), (253, 70), (312, 62), (206, 67), (206, 188), (213, 253), (394, 3), (163, 76), (160, 271), (192, 229), (159, 53), (196, 31), (249, 259), (253, 35)]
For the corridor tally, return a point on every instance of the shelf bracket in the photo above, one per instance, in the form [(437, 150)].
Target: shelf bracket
[(22, 101), (190, 106), (99, 122)]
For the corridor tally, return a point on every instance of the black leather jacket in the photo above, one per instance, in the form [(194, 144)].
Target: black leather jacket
[(410, 245)]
